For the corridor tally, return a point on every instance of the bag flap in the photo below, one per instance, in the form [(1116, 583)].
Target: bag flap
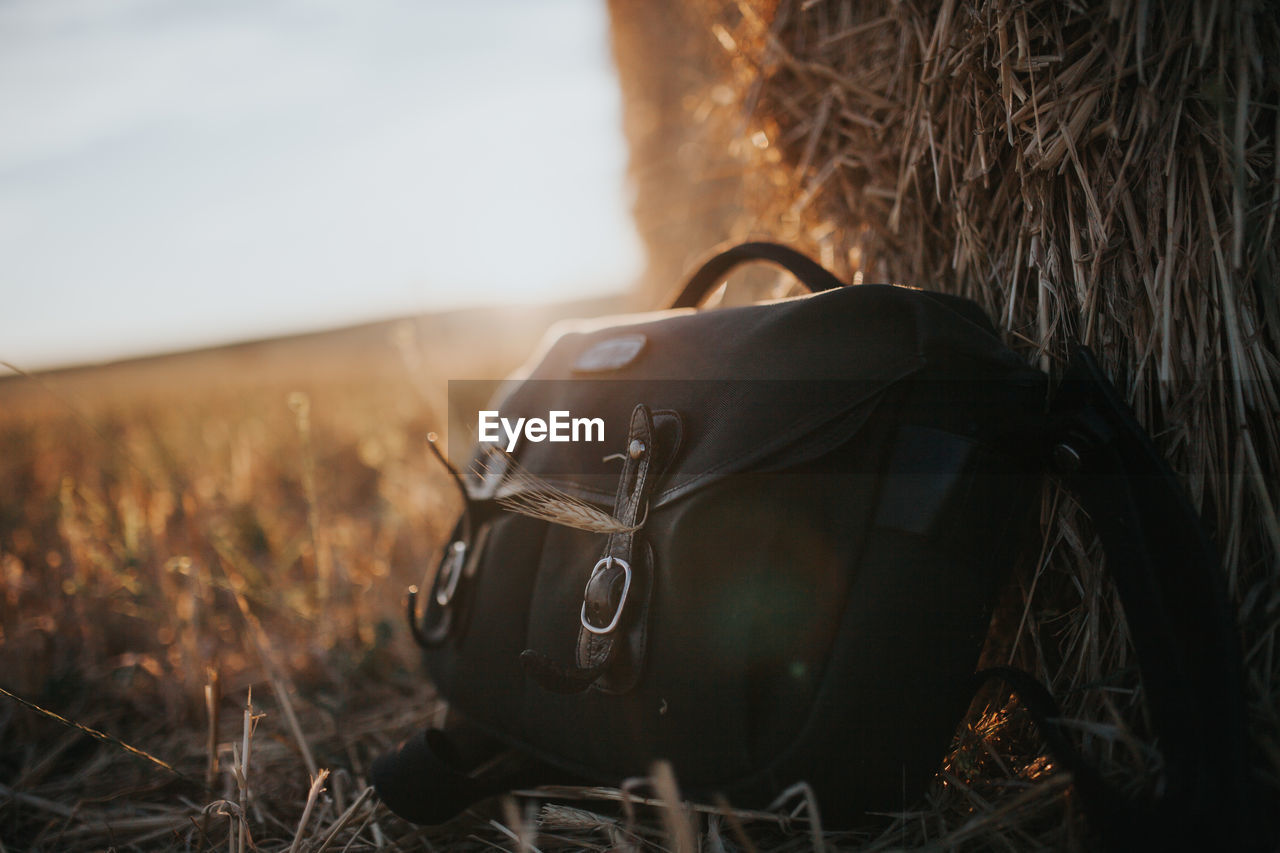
[(747, 383)]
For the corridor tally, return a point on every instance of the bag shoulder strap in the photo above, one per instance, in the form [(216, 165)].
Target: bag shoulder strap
[(813, 275), (1167, 575)]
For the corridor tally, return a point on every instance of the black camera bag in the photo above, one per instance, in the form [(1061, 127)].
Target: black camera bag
[(809, 507)]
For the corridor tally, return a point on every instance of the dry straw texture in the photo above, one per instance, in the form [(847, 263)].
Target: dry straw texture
[(1093, 171)]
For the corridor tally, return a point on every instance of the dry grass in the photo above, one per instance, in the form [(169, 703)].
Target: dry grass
[(173, 538)]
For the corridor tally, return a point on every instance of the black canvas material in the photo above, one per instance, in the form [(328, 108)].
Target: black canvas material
[(833, 488)]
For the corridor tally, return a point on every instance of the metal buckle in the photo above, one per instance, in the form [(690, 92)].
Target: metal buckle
[(622, 602), (451, 573)]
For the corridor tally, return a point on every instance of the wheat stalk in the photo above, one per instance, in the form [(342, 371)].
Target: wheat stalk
[(525, 493)]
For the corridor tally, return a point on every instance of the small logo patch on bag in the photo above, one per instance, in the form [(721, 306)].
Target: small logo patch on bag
[(610, 354)]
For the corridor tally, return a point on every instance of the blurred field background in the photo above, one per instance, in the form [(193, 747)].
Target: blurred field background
[(178, 531)]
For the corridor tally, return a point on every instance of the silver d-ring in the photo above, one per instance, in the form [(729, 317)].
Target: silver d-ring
[(451, 573), (622, 602)]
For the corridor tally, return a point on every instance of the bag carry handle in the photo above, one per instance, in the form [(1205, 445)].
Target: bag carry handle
[(811, 274)]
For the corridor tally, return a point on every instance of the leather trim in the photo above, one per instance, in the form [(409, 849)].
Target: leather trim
[(601, 650)]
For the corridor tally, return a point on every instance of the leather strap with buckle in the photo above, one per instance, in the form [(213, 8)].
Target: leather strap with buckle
[(613, 628)]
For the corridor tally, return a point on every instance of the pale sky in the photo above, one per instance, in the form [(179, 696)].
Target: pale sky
[(176, 173)]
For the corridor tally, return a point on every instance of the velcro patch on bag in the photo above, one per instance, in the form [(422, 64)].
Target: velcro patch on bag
[(610, 354)]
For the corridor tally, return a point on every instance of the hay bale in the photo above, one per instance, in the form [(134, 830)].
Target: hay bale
[(1094, 171), (685, 204), (677, 112)]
